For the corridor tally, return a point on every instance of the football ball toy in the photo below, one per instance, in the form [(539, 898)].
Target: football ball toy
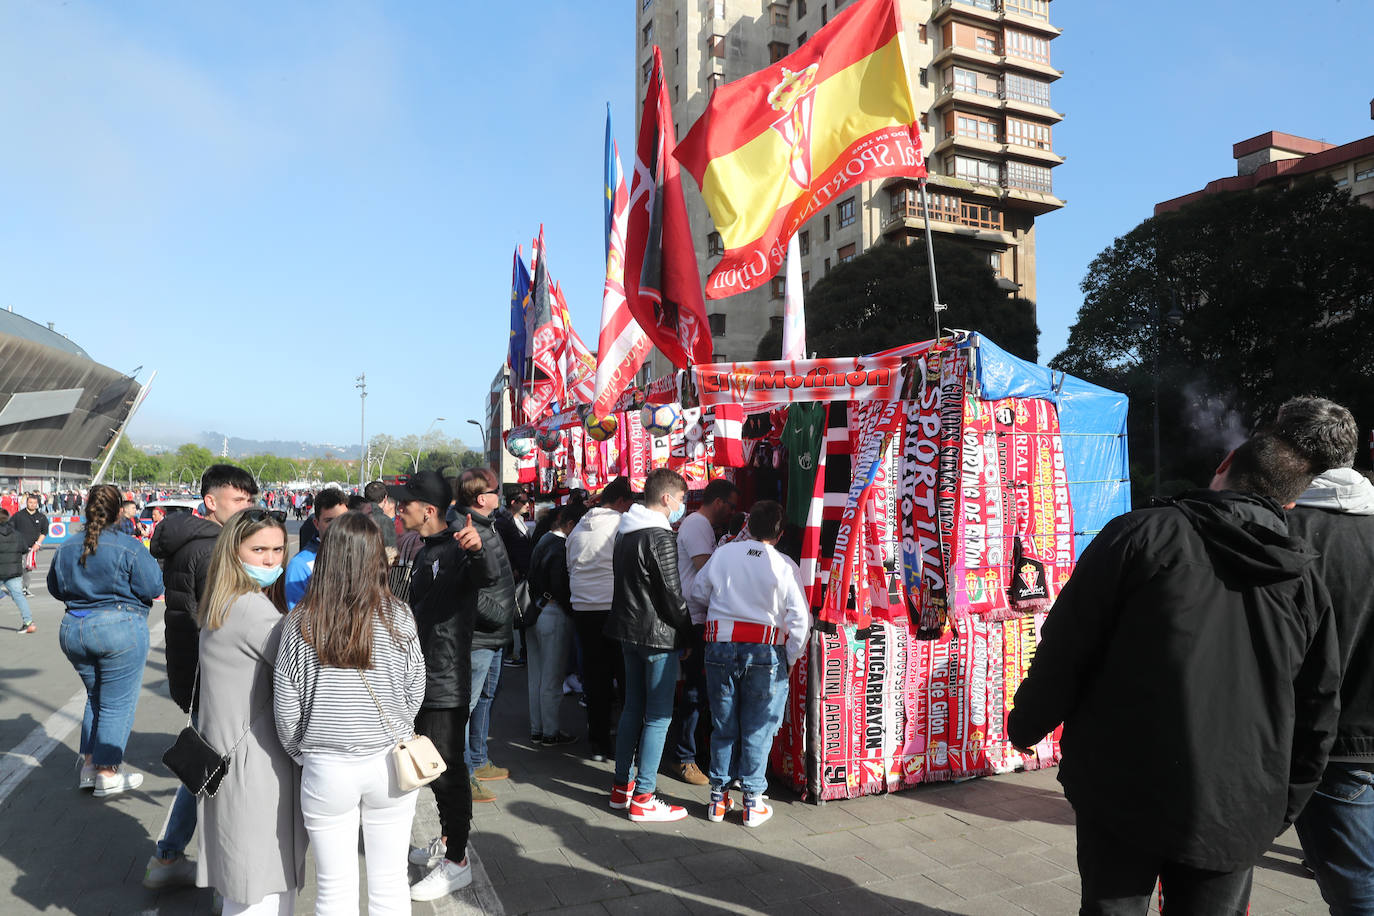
[(549, 439), (519, 447), (659, 419), (600, 428)]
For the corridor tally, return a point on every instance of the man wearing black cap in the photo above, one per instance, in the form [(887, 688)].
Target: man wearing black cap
[(449, 571)]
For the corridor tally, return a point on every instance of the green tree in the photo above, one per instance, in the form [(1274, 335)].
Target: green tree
[(881, 299), (1241, 300)]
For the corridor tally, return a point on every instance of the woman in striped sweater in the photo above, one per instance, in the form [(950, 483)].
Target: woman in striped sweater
[(349, 679)]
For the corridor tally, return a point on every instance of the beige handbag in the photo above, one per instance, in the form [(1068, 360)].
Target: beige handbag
[(417, 760)]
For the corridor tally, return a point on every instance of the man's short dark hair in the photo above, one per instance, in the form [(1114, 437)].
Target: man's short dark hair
[(357, 501), (720, 488), (4, 515), (375, 492), (328, 498), (616, 491), (1269, 465), (127, 503), (226, 475), (765, 520), (1323, 430), (662, 482)]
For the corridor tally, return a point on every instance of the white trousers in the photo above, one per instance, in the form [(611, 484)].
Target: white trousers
[(271, 905), (337, 793)]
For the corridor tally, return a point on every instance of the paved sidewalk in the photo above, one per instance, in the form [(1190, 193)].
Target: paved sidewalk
[(549, 843)]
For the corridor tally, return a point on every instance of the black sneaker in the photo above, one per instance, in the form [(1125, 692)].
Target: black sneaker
[(536, 738), (557, 739), (515, 663)]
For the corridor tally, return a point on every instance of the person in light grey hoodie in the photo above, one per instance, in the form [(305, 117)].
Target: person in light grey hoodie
[(1336, 516)]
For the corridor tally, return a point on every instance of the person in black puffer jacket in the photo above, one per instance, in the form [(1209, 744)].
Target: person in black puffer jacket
[(12, 550), (649, 617), (183, 542), (478, 495)]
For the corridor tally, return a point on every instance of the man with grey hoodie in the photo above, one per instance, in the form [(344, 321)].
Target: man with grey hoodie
[(1336, 516)]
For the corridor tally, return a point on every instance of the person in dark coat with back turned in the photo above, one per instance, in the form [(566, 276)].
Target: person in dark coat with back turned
[(1336, 515), (649, 617), (449, 571), (12, 550), (183, 543), (1192, 658)]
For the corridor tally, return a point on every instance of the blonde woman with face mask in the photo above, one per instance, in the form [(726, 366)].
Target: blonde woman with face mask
[(252, 837)]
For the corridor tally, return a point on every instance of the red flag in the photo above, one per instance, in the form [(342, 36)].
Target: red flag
[(662, 285), (546, 338)]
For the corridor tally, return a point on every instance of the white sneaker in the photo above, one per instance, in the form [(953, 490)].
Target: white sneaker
[(756, 810), (119, 782), (446, 878), (180, 872), (654, 810), (428, 856), (86, 778)]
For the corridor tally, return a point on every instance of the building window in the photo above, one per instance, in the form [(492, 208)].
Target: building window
[(985, 43), (775, 325), (779, 15), (675, 97), (1028, 47), (995, 262), (1342, 181), (1025, 89), (979, 216), (1365, 174), (648, 69), (924, 76), (846, 253), (845, 211), (921, 33), (827, 260), (1028, 133), (777, 50), (966, 125), (677, 56), (1029, 177), (960, 79), (801, 8), (806, 279), (714, 245), (777, 287), (719, 358), (1031, 9), (717, 322), (978, 171), (804, 242), (826, 224), (801, 40), (825, 15), (715, 46), (649, 34), (714, 82)]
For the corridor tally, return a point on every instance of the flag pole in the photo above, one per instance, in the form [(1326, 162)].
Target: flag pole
[(935, 306)]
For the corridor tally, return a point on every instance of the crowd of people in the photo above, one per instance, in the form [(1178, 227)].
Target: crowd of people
[(1208, 653)]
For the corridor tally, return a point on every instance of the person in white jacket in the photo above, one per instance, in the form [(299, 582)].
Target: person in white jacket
[(592, 584), (757, 622)]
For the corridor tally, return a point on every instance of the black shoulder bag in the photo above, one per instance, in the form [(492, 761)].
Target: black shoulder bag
[(194, 761)]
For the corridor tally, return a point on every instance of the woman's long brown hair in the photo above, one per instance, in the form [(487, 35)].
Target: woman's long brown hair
[(103, 505), (347, 591)]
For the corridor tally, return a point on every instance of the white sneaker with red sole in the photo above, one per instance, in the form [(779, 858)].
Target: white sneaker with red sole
[(620, 795), (756, 810), (647, 808)]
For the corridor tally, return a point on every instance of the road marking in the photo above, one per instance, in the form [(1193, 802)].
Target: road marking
[(28, 755)]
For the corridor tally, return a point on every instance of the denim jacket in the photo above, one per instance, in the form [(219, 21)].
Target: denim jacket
[(120, 576)]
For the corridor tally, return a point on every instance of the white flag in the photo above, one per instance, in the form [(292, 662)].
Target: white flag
[(793, 309)]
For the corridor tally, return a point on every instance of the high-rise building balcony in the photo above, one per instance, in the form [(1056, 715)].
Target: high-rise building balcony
[(988, 11)]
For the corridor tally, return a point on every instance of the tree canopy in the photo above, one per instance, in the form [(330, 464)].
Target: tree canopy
[(881, 299), (1242, 300)]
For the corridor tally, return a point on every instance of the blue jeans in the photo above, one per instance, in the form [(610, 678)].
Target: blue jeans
[(1337, 833), (181, 823), (15, 588), (747, 684), (546, 660), (650, 677), (691, 704), (108, 649), (486, 677)]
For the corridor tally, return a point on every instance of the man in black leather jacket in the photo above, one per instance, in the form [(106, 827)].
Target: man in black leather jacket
[(649, 617), (449, 571), (478, 495)]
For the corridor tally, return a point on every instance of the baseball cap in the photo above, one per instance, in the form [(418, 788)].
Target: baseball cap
[(424, 487)]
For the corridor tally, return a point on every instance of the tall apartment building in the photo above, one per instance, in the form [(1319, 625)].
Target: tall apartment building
[(980, 70)]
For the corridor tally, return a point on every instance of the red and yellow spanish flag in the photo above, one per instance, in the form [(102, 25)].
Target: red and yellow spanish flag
[(782, 144)]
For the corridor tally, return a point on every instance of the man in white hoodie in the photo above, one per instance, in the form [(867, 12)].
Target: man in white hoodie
[(757, 620), (592, 580), (1336, 516)]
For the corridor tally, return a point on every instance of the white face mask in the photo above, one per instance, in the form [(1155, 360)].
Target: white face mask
[(262, 575)]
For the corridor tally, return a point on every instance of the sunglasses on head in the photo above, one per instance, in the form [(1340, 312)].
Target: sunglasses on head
[(256, 515)]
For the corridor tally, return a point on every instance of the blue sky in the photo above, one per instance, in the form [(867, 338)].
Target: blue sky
[(262, 200)]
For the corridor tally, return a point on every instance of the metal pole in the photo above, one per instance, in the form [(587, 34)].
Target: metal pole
[(935, 306), (362, 430), (1156, 409)]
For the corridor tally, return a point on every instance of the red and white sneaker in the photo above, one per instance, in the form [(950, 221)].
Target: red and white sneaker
[(756, 810), (720, 805), (620, 795), (648, 808)]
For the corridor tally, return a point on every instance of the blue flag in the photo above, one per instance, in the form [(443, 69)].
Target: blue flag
[(612, 176), (518, 354)]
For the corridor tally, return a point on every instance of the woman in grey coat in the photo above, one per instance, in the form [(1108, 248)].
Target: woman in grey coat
[(252, 837)]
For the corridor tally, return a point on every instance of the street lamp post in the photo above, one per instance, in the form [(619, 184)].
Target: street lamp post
[(362, 429), (420, 448), (482, 431)]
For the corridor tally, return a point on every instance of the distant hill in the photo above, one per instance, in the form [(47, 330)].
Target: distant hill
[(239, 448)]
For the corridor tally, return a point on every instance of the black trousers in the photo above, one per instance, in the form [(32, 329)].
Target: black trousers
[(601, 659), (448, 729), (1118, 880)]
